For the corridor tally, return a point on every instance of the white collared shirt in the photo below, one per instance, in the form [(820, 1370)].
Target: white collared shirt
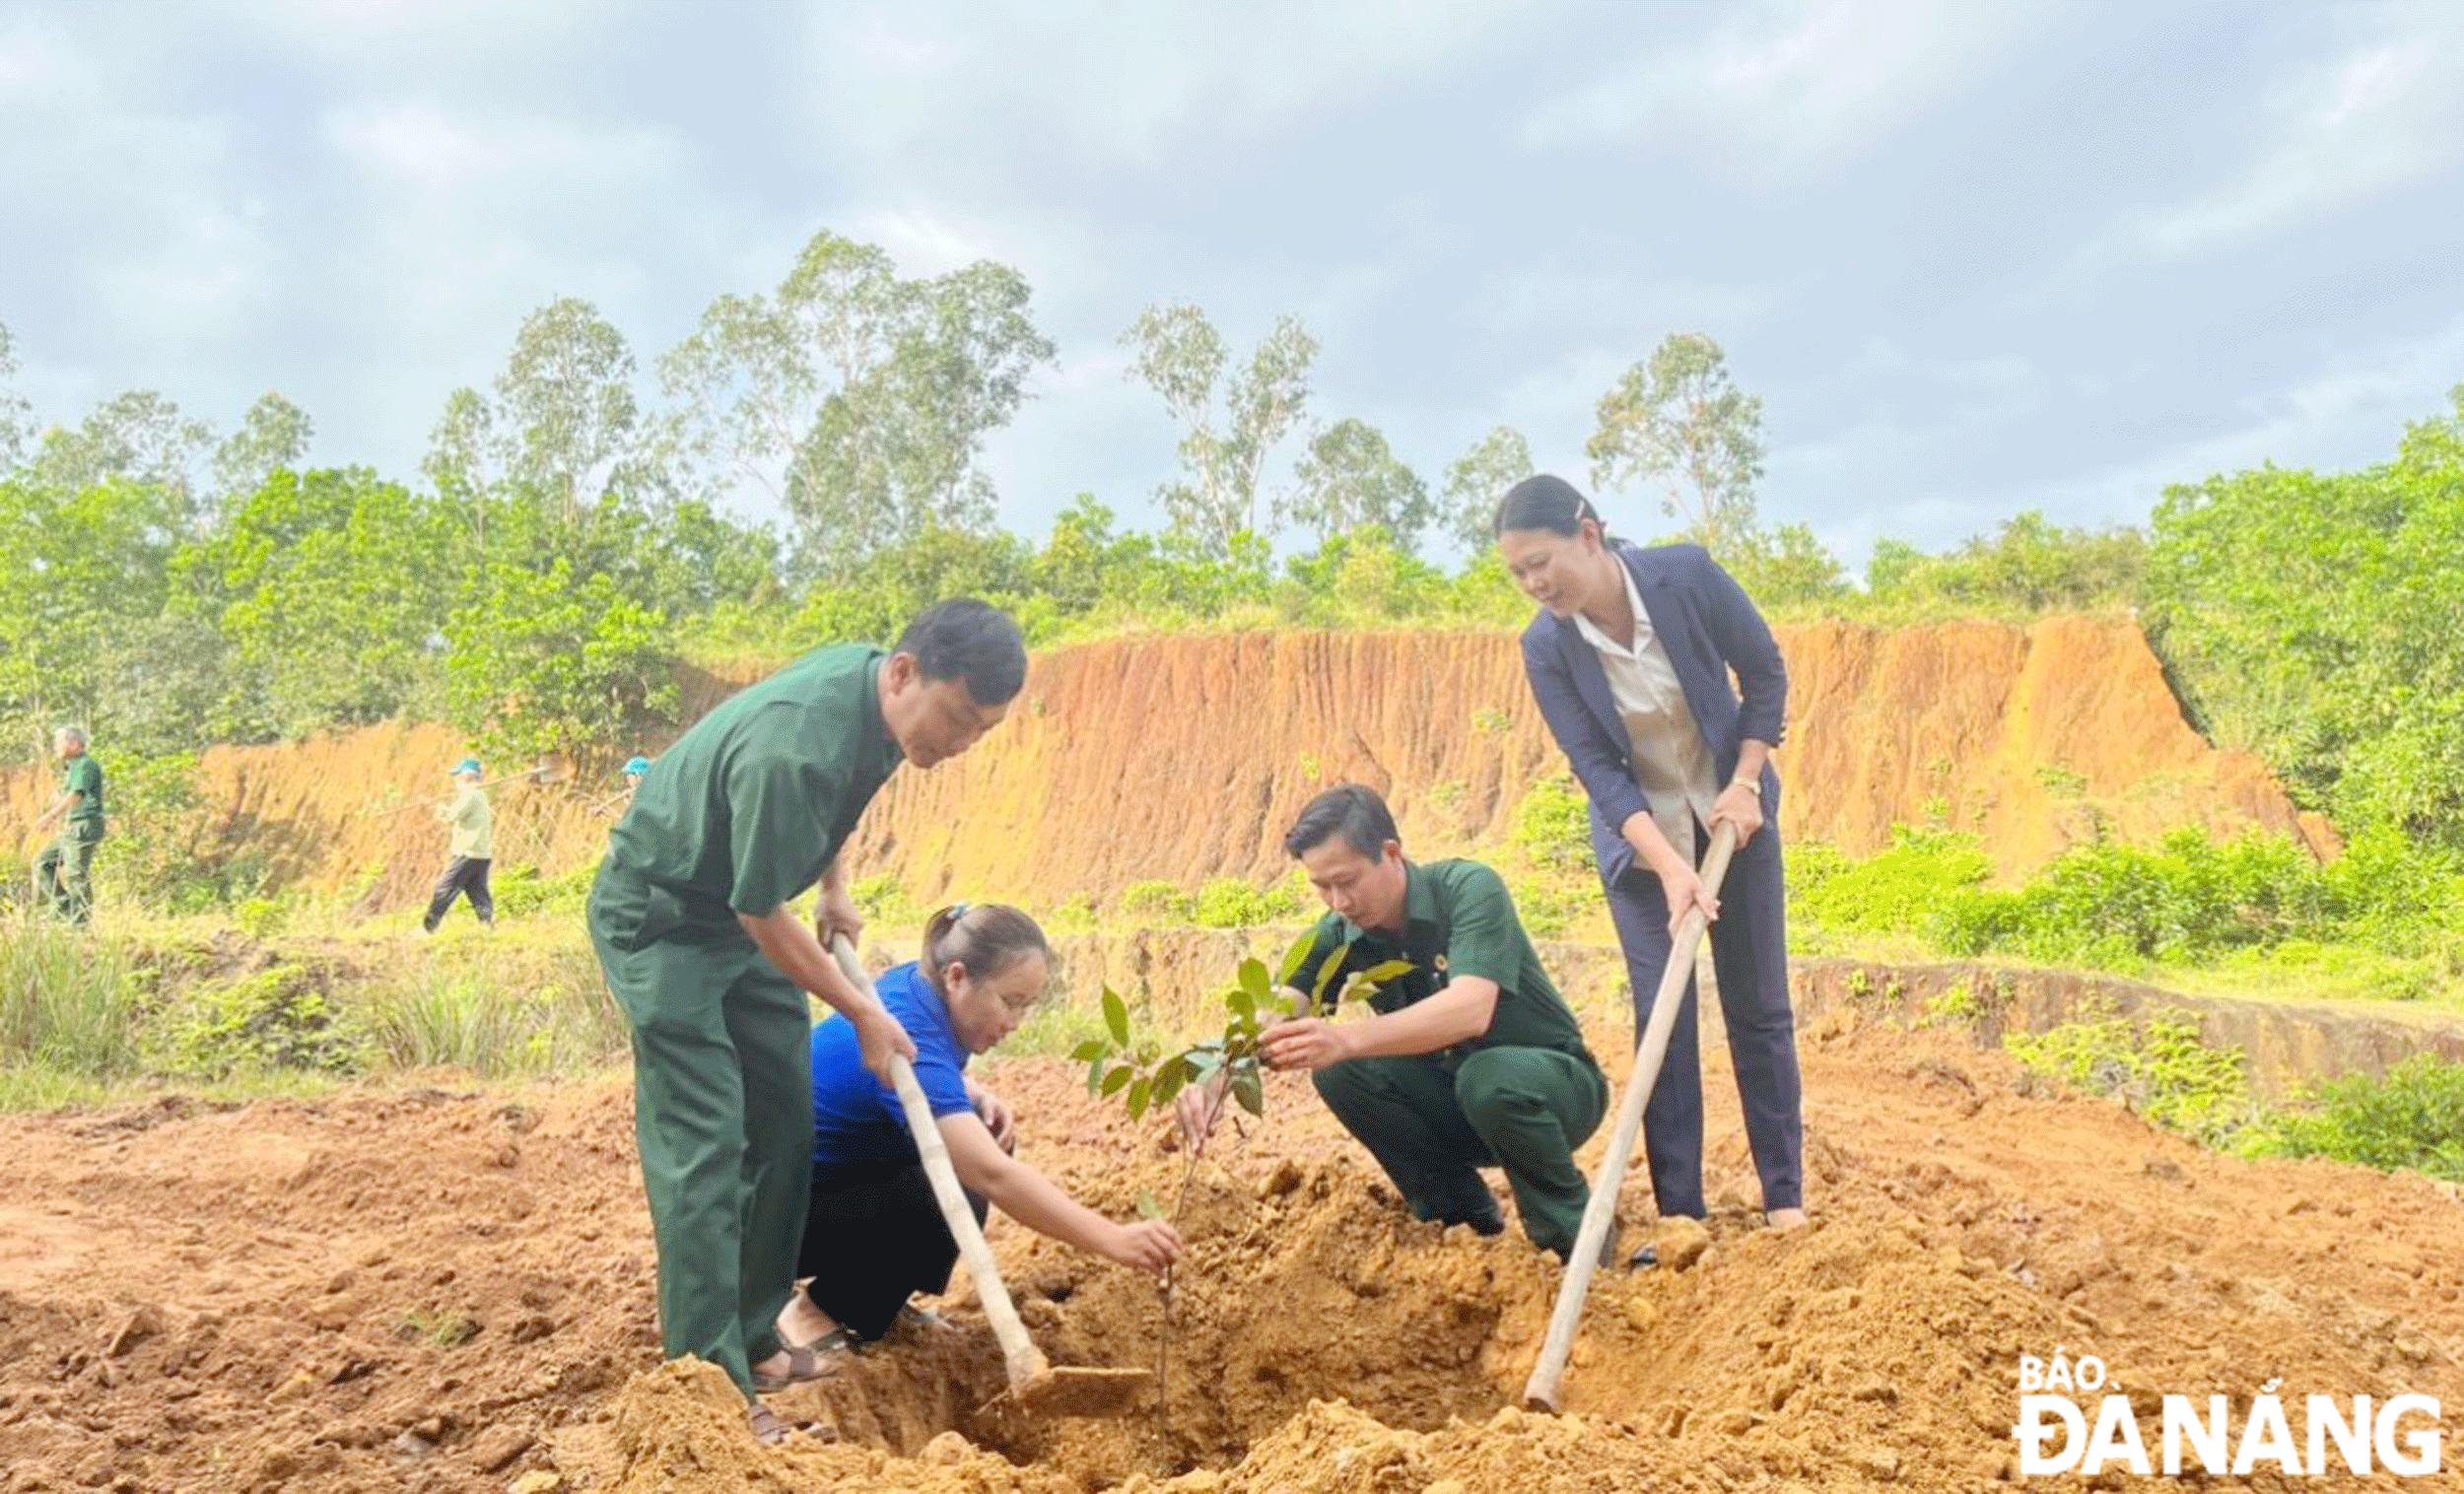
[(1671, 762)]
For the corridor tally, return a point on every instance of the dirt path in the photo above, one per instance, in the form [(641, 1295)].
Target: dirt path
[(443, 1290)]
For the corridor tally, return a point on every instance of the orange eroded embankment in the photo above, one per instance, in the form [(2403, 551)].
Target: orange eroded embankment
[(1183, 758)]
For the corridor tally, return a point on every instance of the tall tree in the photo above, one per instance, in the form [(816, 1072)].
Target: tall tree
[(1349, 479), (81, 566), (857, 400), (556, 435), (272, 436), (1477, 479), (137, 437), (565, 412), (2311, 618), (330, 588), (460, 463), (1229, 426), (16, 415), (1678, 421)]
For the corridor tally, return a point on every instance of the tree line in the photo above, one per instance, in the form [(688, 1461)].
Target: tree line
[(573, 531)]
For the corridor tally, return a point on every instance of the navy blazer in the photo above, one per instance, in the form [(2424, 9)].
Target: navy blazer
[(1709, 627)]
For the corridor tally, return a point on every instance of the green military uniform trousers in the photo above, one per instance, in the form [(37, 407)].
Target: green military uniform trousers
[(64, 873), (723, 1114), (1431, 1127)]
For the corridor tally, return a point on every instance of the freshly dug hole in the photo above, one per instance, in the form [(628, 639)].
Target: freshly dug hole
[(1312, 1285)]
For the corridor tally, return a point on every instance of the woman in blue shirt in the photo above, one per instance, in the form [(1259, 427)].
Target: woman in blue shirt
[(1630, 661), (873, 1235)]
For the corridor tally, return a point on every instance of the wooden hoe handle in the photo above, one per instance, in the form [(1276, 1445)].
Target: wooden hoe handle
[(1540, 1392), (1025, 1362)]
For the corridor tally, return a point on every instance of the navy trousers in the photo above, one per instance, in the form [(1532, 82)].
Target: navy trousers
[(1750, 953)]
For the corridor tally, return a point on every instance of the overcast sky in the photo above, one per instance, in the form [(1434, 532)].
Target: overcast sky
[(1977, 257)]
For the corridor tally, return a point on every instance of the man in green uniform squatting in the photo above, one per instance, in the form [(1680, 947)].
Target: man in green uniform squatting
[(64, 873), (1472, 1060), (691, 920)]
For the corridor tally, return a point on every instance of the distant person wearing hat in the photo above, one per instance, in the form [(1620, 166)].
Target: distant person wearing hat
[(615, 803), (474, 842)]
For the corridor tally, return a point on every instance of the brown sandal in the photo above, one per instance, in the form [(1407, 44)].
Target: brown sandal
[(773, 1430), (805, 1362)]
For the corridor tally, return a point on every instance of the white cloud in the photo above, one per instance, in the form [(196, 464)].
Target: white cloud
[(386, 35), (2386, 113), (175, 248), (1787, 82), (467, 218), (2350, 413), (1551, 291), (925, 242), (1130, 84)]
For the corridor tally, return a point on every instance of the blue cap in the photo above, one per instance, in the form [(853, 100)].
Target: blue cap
[(466, 765), (639, 764)]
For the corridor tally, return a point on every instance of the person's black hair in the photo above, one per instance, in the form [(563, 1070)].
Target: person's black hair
[(985, 937), (970, 641), (1547, 502), (1350, 811)]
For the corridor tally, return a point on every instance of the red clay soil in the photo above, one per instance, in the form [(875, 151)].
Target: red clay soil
[(450, 1290), (1185, 758)]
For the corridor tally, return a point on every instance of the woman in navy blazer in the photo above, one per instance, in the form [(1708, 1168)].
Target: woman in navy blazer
[(1554, 543)]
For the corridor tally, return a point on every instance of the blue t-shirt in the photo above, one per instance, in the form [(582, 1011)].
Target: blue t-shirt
[(857, 1122)]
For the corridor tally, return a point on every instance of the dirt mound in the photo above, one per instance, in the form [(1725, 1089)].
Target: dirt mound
[(445, 1290), (1183, 758)]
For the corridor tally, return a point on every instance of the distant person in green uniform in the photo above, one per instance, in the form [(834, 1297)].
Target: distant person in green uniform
[(1472, 1060), (690, 915), (64, 873), (473, 849)]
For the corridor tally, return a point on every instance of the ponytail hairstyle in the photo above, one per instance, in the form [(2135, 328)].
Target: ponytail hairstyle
[(1547, 502), (985, 937)]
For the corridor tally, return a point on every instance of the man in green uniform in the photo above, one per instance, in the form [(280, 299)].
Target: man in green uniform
[(1472, 1060), (64, 873), (691, 920)]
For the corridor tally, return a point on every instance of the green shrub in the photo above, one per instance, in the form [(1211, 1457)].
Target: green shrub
[(2413, 1118), (1155, 900), (2188, 898), (2161, 1068), (69, 1001), (523, 891), (2399, 897), (465, 1020), (1964, 1003), (884, 902), (1229, 902), (274, 1018), (1893, 891), (157, 853), (260, 919), (1075, 914), (1548, 905), (1552, 828)]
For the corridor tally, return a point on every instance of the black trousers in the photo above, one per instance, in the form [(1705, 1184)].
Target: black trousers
[(1749, 951), (466, 877), (873, 1240)]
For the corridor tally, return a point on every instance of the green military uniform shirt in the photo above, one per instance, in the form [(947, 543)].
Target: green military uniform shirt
[(752, 806), (1457, 920), (83, 774)]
